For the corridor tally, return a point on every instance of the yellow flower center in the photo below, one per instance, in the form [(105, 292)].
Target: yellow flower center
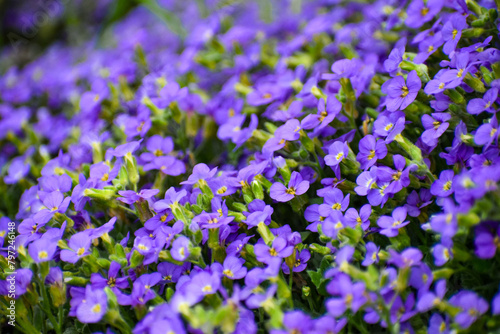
[(442, 327), (290, 191), (336, 206), (105, 177), (424, 11), (273, 252), (222, 190), (455, 32), (447, 186), (339, 156), (141, 125), (228, 273), (441, 85), (371, 155), (80, 251), (322, 116), (42, 255), (405, 91), (96, 308), (111, 282), (207, 288)]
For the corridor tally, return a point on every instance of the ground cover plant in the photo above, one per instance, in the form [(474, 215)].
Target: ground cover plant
[(251, 167)]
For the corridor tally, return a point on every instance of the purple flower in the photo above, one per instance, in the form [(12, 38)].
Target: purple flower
[(79, 244), (211, 220), (420, 12), (400, 177), (170, 272), (336, 153), (430, 299), (446, 223), (42, 250), (328, 325), (102, 174), (434, 126), (233, 129), (167, 165), (295, 322), (472, 307), (391, 225), (438, 325), (487, 133), (279, 249), (201, 172), (333, 224), (371, 254), (443, 187), (389, 125), (391, 64), (204, 284), (141, 291), (326, 114), (125, 149), (53, 203), (477, 106), (257, 217), (487, 239), (180, 248), (296, 187), (300, 264), (93, 307), (408, 258), (370, 150), (233, 268), (417, 201), (401, 94), (130, 196), (354, 219), (333, 200), (257, 300), (172, 199), (442, 252), (157, 146), (452, 31), (349, 295), (495, 304), (112, 280), (18, 169), (21, 280)]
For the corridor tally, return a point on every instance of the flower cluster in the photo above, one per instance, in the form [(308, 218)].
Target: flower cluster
[(316, 167)]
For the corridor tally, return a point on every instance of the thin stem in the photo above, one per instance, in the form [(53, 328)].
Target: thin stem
[(290, 284), (46, 308)]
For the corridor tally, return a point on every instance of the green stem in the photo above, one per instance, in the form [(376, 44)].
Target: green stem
[(127, 209), (28, 328), (290, 285), (46, 307)]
